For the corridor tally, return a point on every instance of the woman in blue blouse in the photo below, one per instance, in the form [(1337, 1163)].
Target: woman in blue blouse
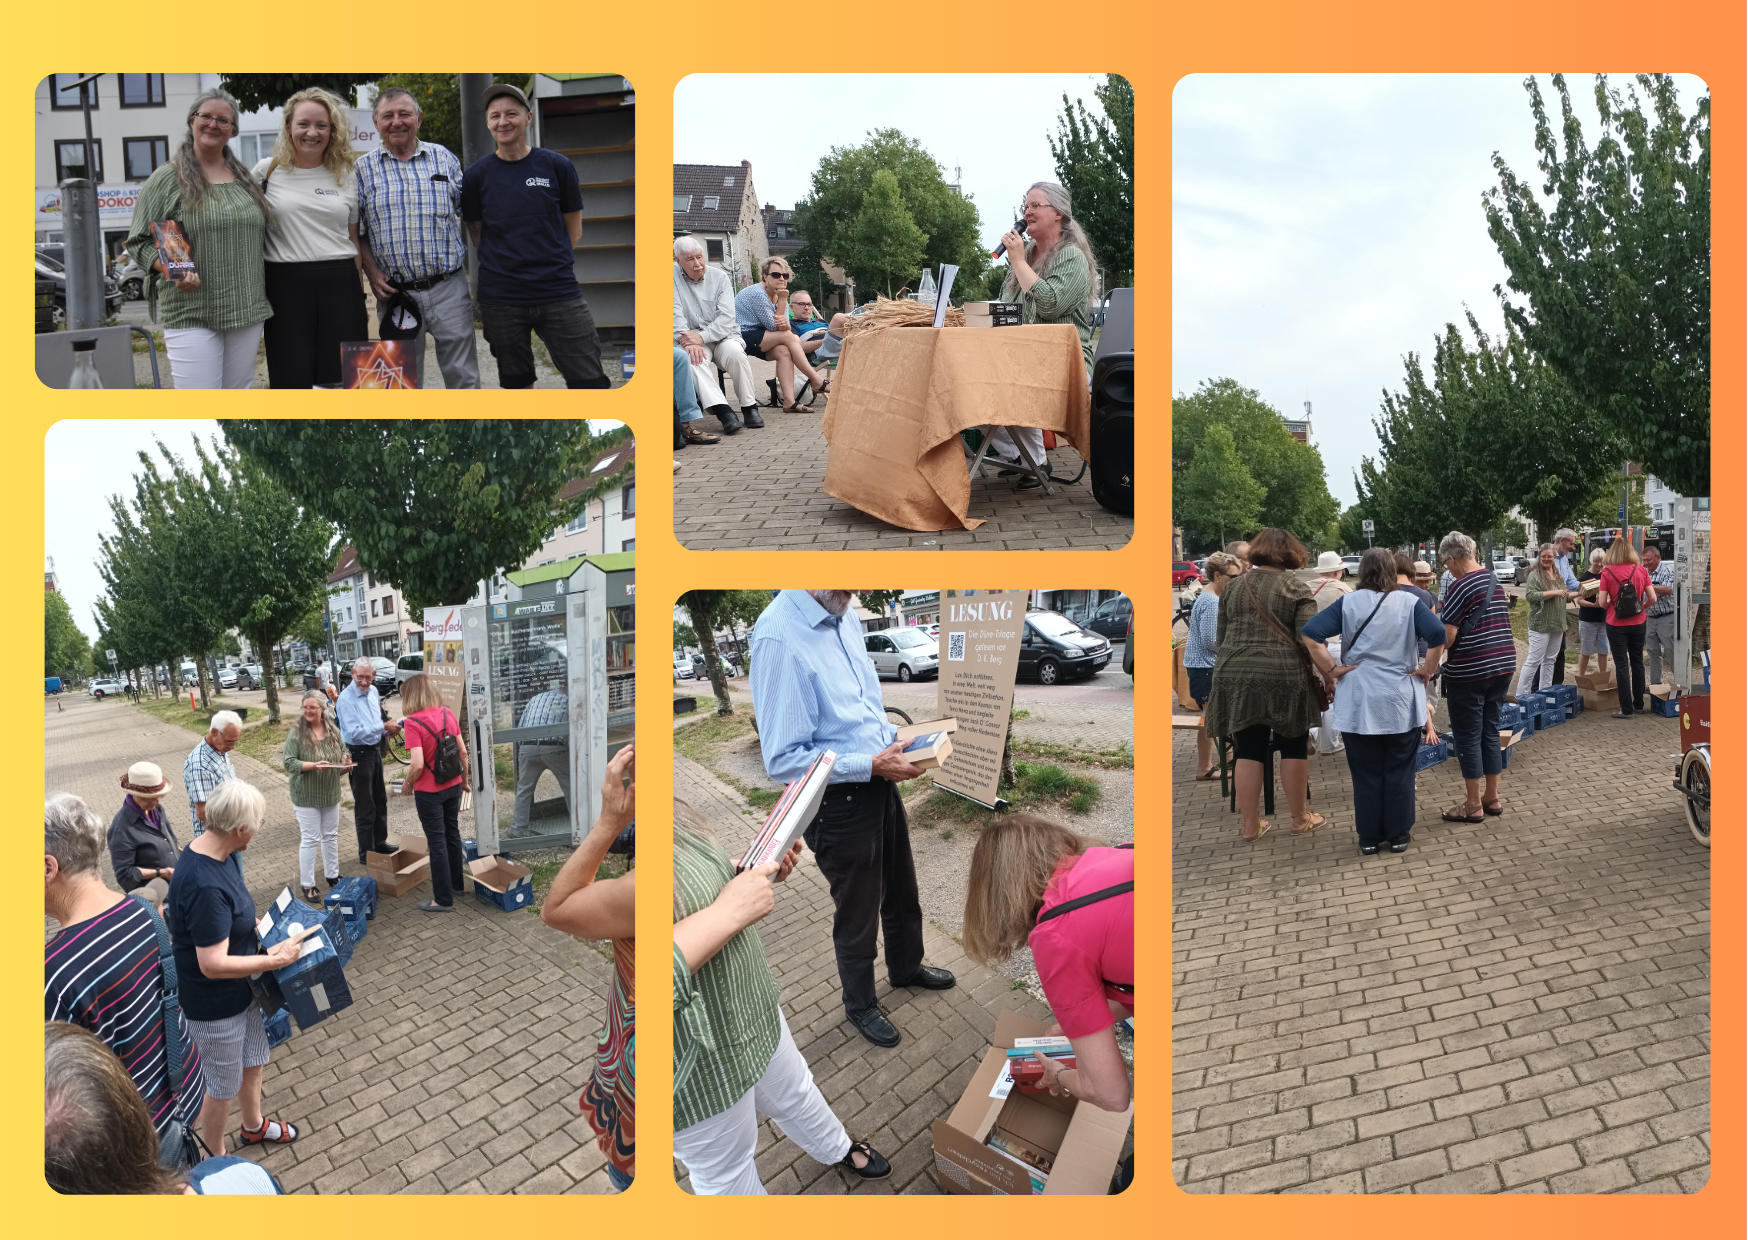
[(761, 314), (1218, 569), (1380, 695)]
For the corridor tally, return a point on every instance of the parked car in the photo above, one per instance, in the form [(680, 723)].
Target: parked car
[(227, 677), (129, 278), (1352, 564), (701, 672), (408, 666), (1129, 648), (386, 684), (907, 654), (682, 665), (250, 675), (1505, 570), (1054, 648), (50, 268), (1111, 620), (1183, 572), (107, 687)]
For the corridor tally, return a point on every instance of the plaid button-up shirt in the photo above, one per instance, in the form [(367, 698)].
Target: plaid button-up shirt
[(409, 211), (205, 770), (1663, 579)]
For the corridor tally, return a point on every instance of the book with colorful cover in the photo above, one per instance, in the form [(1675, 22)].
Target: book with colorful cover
[(793, 813), (378, 364), (174, 250)]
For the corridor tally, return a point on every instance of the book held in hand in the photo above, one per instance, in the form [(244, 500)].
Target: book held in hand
[(793, 814), (378, 364), (174, 251), (927, 744)]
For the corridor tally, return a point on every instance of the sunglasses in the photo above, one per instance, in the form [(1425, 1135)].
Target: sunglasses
[(780, 275)]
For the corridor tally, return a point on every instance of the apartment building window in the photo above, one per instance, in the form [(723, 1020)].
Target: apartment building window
[(630, 544), (142, 90), (64, 96), (70, 160), (373, 607), (628, 500), (580, 524), (143, 155), (388, 605)]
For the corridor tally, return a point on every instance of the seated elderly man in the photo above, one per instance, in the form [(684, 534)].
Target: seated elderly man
[(704, 326)]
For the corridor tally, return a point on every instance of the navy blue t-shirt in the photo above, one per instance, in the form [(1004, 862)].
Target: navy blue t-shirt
[(525, 256), (209, 903)]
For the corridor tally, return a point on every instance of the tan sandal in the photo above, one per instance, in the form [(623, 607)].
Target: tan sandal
[(1313, 821), (1263, 827)]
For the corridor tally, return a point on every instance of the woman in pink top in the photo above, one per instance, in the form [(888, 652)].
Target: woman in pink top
[(1626, 587), (439, 803), (1073, 901)]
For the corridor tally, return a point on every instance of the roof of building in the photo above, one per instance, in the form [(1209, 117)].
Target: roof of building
[(727, 183), (613, 562), (346, 565)]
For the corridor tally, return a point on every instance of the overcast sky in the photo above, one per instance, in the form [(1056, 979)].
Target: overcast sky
[(1325, 226), (86, 463), (994, 127)]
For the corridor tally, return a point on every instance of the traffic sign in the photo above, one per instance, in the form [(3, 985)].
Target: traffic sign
[(1366, 526), (110, 655)]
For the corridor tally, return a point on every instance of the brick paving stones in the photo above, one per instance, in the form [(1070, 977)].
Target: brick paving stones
[(1520, 1005)]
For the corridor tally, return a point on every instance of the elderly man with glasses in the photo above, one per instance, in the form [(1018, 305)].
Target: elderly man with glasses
[(761, 314), (704, 326)]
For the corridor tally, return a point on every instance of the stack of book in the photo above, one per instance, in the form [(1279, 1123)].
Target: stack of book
[(993, 313), (792, 815), (928, 744)]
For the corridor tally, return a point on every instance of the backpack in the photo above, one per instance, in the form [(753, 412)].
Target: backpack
[(1105, 893), (1626, 598), (445, 758)]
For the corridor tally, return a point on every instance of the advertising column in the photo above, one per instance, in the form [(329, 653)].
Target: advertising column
[(980, 653)]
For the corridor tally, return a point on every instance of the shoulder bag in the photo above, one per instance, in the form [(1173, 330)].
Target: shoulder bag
[(1104, 893), (1320, 688), (180, 1147)]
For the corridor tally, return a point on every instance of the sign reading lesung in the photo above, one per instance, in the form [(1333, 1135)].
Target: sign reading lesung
[(980, 643)]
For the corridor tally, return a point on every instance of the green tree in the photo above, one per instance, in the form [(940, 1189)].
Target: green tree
[(1615, 280), (66, 652), (434, 506), (683, 636), (1095, 161), (1296, 493), (947, 219), (879, 600), (1603, 511), (271, 90), (1216, 495), (883, 242), (439, 99), (701, 605)]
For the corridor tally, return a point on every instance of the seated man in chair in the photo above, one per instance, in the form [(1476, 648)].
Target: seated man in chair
[(704, 326)]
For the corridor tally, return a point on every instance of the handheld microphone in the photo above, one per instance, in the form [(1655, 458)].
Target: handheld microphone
[(1019, 227)]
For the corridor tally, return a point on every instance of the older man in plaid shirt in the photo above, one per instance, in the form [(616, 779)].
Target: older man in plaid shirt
[(409, 234), (209, 764), (1659, 615)]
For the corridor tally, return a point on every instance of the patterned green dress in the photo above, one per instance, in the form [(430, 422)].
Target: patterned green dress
[(1258, 677)]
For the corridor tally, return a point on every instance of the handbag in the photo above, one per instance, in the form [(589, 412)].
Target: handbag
[(180, 1147), (1320, 688)]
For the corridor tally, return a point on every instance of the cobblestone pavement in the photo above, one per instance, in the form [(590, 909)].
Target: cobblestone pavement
[(458, 1066), (889, 1098), (763, 490), (1520, 1005)]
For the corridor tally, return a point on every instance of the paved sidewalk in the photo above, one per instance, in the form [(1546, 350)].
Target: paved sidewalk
[(459, 1064), (1520, 1005), (889, 1098), (762, 489)]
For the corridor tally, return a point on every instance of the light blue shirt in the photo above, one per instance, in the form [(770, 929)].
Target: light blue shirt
[(359, 715), (753, 308), (814, 689), (1563, 563), (1204, 630)]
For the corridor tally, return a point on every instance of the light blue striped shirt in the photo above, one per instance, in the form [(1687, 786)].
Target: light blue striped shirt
[(409, 211), (753, 308), (814, 689), (359, 716), (1204, 630)]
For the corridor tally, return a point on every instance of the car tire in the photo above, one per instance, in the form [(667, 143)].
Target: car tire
[(904, 673), (98, 694), (1049, 672), (135, 290)]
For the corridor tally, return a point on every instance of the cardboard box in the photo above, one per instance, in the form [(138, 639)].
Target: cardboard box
[(1595, 699), (278, 1028), (929, 755), (502, 883), (314, 985), (1661, 691), (1597, 681), (397, 873), (1081, 1142)]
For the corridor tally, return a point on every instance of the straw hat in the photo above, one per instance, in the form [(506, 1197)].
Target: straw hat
[(1330, 562), (1422, 568), (144, 779)]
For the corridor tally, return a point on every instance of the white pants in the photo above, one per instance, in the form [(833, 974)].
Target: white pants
[(317, 828), (1002, 443), (1544, 653), (203, 358), (730, 354), (718, 1152)]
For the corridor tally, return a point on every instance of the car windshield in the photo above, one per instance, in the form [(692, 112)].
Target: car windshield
[(52, 264), (1052, 625), (908, 639)]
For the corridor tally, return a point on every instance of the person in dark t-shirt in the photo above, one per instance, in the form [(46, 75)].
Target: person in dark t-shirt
[(524, 211)]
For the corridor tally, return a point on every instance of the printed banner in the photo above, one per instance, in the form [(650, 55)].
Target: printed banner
[(980, 654)]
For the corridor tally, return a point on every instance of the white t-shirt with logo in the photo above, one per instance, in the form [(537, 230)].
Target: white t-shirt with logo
[(311, 214)]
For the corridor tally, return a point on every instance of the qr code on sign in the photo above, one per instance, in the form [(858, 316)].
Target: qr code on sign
[(955, 647)]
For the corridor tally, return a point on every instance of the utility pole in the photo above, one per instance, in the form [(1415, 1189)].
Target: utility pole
[(84, 239), (476, 143)]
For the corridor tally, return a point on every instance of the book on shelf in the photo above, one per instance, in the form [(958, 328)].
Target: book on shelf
[(790, 816)]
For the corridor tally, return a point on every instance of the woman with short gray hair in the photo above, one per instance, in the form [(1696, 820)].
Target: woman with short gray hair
[(212, 921), (1480, 656), (1592, 620)]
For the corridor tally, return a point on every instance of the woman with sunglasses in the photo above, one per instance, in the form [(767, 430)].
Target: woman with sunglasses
[(761, 313), (212, 317)]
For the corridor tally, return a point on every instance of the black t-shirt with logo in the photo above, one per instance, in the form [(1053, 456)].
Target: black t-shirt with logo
[(525, 256)]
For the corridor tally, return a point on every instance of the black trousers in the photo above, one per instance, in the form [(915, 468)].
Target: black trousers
[(565, 327), (861, 840), (1383, 783), (1627, 643), (1560, 663), (316, 306), (440, 816), (369, 799)]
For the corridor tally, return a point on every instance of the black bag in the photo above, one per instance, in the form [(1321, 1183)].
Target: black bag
[(1626, 598), (445, 756), (399, 318), (179, 1148), (1104, 893)]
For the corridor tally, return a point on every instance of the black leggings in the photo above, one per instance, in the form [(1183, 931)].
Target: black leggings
[(316, 307), (1253, 745)]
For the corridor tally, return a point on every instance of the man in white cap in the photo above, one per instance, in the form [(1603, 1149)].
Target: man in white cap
[(1329, 587), (142, 846)]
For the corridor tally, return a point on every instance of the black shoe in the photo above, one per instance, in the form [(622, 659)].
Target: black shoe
[(363, 857), (1033, 482), (725, 415), (334, 881), (750, 418), (877, 1169), (929, 979), (874, 1026), (1399, 846), (1368, 850)]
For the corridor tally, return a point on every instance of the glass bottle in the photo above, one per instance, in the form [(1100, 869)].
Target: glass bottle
[(84, 365)]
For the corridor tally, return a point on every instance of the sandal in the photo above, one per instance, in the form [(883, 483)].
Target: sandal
[(1263, 827), (286, 1134), (877, 1168), (1312, 822), (1210, 773), (1460, 813), (1494, 810), (698, 436), (823, 389), (312, 896)]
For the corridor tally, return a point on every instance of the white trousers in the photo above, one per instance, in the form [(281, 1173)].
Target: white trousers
[(318, 828), (718, 1152), (730, 354), (1002, 443), (203, 358), (1544, 653)]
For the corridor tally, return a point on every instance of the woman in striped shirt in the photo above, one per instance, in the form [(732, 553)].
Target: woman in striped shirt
[(1480, 656), (733, 1055)]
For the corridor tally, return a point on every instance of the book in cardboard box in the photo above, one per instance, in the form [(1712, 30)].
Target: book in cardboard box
[(502, 883), (1001, 1139), (790, 816), (928, 744), (398, 872), (314, 985)]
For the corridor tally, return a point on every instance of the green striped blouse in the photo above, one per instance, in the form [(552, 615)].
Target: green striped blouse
[(1060, 297), (228, 234), (726, 1024), (314, 789)]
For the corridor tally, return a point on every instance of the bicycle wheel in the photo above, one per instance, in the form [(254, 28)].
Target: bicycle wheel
[(902, 719), (1696, 788), (397, 749)]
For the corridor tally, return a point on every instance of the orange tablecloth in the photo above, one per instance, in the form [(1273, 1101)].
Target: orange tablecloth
[(903, 394)]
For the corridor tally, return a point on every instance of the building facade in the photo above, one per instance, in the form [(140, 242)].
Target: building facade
[(716, 203)]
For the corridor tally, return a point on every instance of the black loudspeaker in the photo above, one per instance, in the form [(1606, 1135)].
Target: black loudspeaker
[(1113, 432)]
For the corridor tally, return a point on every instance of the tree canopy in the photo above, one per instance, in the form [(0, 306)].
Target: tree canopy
[(883, 240), (1295, 493), (439, 99), (1095, 162), (66, 651), (271, 90), (1216, 497), (435, 505), (1613, 282)]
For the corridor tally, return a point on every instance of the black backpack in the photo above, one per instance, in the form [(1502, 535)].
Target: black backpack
[(1626, 599), (445, 758)]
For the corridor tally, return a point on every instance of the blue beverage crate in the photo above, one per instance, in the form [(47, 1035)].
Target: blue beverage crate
[(1553, 712), (314, 985), (470, 850), (1668, 708), (1510, 715), (354, 897), (278, 1028), (1505, 756), (1428, 756), (1565, 695), (1573, 707)]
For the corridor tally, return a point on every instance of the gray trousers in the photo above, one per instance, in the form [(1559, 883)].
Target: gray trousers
[(1659, 645), (533, 757), (446, 312)]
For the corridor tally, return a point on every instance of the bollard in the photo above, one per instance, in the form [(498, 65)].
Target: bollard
[(84, 250), (191, 705)]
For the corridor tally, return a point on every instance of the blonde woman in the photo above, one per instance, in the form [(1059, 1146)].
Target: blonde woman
[(315, 759), (314, 275)]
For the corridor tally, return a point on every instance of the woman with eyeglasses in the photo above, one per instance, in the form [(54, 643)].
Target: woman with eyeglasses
[(212, 317), (761, 313), (315, 276)]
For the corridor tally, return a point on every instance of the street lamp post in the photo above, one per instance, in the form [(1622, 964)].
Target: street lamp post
[(84, 239)]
